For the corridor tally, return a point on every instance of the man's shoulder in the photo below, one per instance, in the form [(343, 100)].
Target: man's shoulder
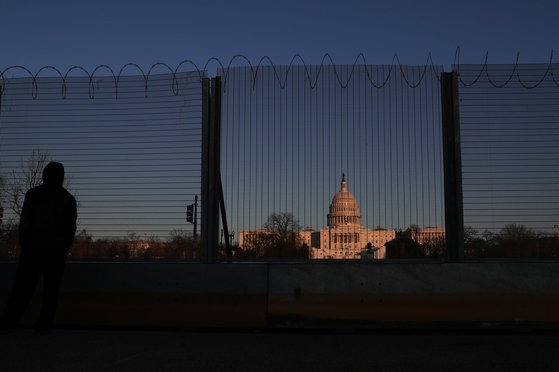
[(48, 192), (68, 195), (34, 191)]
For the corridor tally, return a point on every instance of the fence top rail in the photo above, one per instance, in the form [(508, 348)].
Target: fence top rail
[(344, 73)]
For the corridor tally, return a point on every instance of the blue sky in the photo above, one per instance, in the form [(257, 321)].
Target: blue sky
[(284, 150), (65, 33), (133, 163)]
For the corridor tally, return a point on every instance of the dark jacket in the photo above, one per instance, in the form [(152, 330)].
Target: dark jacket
[(48, 218)]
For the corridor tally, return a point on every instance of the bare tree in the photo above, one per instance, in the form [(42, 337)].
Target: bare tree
[(280, 239), (181, 245), (282, 224), (28, 176), (517, 232)]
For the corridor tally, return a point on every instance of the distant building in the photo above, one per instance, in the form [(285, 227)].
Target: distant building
[(249, 237), (345, 237), (428, 235)]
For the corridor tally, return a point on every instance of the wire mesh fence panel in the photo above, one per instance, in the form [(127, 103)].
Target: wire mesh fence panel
[(510, 159), (333, 162), (131, 148)]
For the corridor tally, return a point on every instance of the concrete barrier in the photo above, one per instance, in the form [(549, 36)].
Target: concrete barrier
[(414, 292), (275, 294)]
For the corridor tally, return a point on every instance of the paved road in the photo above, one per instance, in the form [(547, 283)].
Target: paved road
[(141, 350)]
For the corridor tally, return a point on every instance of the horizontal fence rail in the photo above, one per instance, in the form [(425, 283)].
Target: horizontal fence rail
[(510, 159), (338, 161), (291, 132), (132, 159)]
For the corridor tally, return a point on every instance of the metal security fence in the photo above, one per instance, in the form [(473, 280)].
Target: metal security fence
[(294, 162), (290, 133), (131, 147), (509, 120)]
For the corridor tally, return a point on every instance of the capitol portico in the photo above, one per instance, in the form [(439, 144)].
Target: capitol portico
[(345, 236)]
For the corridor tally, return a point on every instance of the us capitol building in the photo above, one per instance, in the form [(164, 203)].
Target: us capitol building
[(345, 237)]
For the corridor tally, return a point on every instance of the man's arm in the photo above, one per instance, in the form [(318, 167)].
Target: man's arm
[(25, 221), (71, 223)]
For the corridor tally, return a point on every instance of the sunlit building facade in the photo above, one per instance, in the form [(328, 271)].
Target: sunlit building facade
[(345, 237), (428, 235)]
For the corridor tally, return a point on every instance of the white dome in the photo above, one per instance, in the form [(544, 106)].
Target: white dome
[(344, 209)]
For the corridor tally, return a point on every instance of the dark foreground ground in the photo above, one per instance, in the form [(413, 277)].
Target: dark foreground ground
[(149, 350)]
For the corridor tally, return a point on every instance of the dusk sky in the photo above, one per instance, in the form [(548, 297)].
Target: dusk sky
[(284, 150), (67, 33), (316, 138)]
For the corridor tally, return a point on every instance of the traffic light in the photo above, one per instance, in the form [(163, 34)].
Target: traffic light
[(190, 213)]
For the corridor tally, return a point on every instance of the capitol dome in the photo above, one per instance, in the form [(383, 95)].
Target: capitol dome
[(344, 210)]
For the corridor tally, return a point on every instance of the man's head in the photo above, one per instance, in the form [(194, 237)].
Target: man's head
[(53, 174)]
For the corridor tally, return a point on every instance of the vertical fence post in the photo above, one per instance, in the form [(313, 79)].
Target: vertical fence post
[(454, 216), (211, 145), (215, 166), (195, 216), (204, 175)]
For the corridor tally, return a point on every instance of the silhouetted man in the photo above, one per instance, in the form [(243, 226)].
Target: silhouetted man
[(46, 232)]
